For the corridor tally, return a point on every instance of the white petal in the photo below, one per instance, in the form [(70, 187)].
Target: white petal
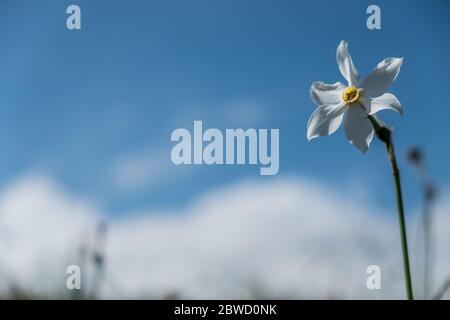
[(379, 80), (323, 93), (325, 120), (358, 128), (345, 63), (386, 101)]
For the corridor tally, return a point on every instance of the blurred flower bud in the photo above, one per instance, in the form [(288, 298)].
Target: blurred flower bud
[(98, 259), (414, 155), (431, 192)]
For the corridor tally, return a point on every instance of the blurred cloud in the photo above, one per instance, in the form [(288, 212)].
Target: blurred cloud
[(144, 168), (289, 237), (41, 227), (239, 112), (245, 113)]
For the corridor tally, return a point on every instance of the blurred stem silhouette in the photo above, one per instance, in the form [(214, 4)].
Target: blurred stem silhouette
[(82, 259), (98, 258), (442, 290), (416, 158), (385, 135)]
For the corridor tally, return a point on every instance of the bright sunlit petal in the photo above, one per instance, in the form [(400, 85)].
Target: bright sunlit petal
[(358, 128), (345, 63), (322, 93), (379, 80), (325, 120), (386, 101)]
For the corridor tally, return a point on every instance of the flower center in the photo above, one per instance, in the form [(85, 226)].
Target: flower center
[(350, 94)]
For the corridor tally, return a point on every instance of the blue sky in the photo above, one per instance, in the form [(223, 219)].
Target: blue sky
[(73, 104)]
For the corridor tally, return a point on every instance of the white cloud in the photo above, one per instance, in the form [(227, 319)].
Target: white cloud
[(146, 168), (284, 238), (40, 228), (245, 113), (237, 113)]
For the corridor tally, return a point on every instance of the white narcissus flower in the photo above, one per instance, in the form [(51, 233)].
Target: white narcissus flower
[(355, 102)]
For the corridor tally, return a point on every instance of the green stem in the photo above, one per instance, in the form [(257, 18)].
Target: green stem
[(427, 247), (385, 135)]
